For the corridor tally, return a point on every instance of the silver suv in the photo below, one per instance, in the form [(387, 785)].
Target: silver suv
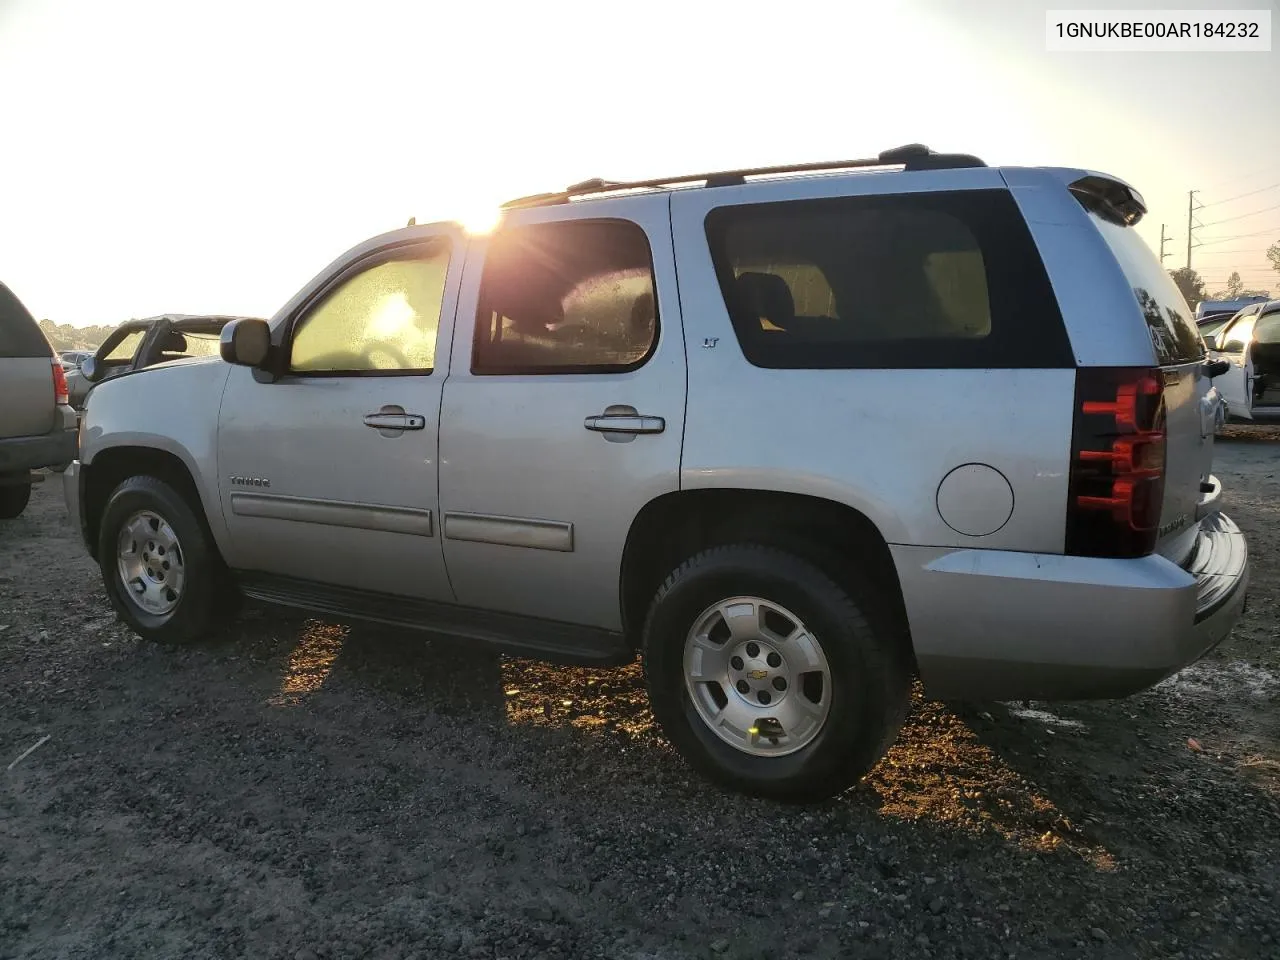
[(794, 434), (37, 425)]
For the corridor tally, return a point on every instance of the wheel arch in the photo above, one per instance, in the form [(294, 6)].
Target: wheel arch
[(110, 466), (674, 526)]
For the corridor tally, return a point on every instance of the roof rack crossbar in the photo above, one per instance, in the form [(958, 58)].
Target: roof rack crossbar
[(913, 156)]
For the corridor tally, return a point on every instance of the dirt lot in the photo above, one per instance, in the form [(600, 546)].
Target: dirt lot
[(300, 789)]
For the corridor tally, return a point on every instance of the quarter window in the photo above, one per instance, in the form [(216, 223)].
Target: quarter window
[(572, 297), (912, 280), (383, 319)]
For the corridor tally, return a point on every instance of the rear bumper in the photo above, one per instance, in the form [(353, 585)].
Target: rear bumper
[(997, 625), (56, 448)]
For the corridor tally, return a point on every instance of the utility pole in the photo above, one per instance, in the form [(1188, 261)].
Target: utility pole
[(1163, 241), (1191, 209)]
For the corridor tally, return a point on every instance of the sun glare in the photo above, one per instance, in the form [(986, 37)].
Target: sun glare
[(481, 220)]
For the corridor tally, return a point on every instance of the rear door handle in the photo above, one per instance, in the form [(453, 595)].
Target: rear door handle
[(628, 423), (394, 418)]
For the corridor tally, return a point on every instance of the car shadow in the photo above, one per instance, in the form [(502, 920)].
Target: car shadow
[(989, 770)]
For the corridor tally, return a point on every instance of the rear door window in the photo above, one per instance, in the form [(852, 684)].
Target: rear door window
[(923, 280), (1169, 320), (573, 297)]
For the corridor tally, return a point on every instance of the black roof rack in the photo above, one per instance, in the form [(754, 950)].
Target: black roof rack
[(913, 156)]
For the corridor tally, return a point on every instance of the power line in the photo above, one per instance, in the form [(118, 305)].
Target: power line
[(1270, 168), (1241, 216), (1238, 196), (1240, 236), (1243, 279)]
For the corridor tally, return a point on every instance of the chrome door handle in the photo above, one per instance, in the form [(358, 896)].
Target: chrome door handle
[(395, 421), (625, 423)]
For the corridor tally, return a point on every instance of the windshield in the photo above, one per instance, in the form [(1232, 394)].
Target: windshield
[(126, 346), (202, 344), (1234, 338), (1210, 327)]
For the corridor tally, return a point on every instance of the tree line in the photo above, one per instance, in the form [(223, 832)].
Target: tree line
[(64, 336), (1193, 288)]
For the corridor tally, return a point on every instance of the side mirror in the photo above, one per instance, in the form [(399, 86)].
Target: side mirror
[(1231, 346), (245, 342), (89, 369)]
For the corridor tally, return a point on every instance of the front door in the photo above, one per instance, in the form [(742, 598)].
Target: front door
[(328, 473), (1236, 385), (563, 413), (1264, 354)]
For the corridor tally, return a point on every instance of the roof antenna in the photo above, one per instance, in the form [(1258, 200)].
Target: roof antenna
[(412, 221)]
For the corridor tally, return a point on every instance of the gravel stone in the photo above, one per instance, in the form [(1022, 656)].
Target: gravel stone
[(371, 793)]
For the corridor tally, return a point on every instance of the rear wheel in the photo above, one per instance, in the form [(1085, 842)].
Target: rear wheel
[(769, 677), (15, 494), (160, 567)]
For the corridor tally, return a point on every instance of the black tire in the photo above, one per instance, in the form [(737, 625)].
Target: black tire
[(208, 597), (14, 499), (870, 672)]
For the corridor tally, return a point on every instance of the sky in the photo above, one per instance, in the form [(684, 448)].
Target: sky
[(212, 157)]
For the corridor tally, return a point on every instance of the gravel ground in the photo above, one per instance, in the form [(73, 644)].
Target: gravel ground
[(302, 789)]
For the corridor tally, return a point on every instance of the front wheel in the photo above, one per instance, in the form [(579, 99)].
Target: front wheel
[(160, 567), (769, 677)]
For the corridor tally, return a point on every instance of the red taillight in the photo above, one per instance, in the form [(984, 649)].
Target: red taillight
[(1118, 463), (60, 393)]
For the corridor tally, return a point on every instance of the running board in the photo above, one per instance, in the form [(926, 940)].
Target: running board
[(550, 640)]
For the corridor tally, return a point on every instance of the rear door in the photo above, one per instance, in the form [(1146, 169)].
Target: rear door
[(564, 409), (27, 406), (1189, 396)]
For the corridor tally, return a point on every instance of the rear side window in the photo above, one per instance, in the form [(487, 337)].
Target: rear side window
[(927, 280), (20, 336), (1169, 320)]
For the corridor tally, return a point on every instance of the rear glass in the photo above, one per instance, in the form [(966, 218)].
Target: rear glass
[(937, 280), (1169, 319), (19, 334)]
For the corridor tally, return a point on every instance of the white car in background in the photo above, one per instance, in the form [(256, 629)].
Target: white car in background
[(1250, 342)]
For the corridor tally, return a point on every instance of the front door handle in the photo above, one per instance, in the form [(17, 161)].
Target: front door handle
[(392, 417), (629, 422)]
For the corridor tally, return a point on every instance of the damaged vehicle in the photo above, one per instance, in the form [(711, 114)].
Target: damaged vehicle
[(1250, 343), (143, 343)]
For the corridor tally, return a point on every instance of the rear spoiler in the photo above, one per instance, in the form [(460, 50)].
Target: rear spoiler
[(1112, 199)]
